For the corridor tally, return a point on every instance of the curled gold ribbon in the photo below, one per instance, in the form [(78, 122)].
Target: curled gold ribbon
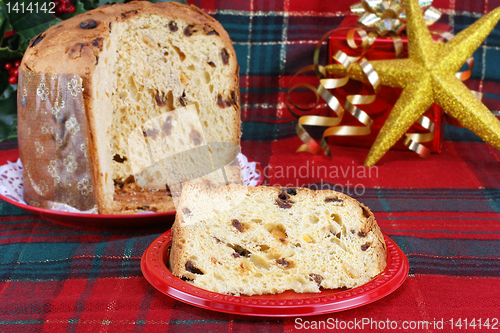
[(333, 103), (412, 140), (398, 45)]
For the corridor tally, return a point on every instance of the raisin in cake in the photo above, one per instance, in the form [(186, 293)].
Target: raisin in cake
[(246, 240), (137, 61)]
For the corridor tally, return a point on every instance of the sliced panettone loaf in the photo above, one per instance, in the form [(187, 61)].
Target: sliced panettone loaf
[(137, 61), (246, 240)]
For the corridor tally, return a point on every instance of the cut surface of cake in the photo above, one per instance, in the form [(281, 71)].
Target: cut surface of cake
[(137, 61), (244, 240)]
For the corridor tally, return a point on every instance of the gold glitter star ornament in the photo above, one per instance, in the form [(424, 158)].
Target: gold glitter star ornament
[(428, 76)]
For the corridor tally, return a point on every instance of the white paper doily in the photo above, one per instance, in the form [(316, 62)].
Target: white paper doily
[(11, 181)]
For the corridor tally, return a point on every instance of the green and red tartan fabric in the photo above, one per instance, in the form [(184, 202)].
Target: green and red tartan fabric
[(443, 211)]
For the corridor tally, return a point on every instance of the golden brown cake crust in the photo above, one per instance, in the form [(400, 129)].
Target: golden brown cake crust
[(67, 48), (74, 46)]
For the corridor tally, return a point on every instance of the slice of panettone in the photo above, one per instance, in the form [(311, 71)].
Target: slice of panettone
[(263, 240)]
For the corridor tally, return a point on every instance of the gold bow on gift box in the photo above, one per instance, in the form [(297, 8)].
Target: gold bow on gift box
[(390, 16), (429, 75)]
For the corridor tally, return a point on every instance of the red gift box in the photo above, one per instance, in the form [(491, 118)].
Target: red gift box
[(383, 48)]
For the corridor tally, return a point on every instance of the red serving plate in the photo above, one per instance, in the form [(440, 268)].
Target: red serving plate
[(96, 220), (82, 220), (287, 304)]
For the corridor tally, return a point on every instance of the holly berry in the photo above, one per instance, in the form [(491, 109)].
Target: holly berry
[(9, 34), (13, 69), (63, 7), (60, 10)]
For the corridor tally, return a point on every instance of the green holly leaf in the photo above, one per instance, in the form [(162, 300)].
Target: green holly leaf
[(30, 24), (89, 4), (15, 46), (8, 111), (80, 9), (6, 53), (4, 25), (108, 2), (4, 83), (180, 1), (11, 50)]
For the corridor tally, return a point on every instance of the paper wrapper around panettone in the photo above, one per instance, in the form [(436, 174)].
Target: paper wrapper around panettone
[(54, 142)]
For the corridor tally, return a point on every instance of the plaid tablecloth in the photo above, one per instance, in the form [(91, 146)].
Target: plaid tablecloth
[(443, 211)]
